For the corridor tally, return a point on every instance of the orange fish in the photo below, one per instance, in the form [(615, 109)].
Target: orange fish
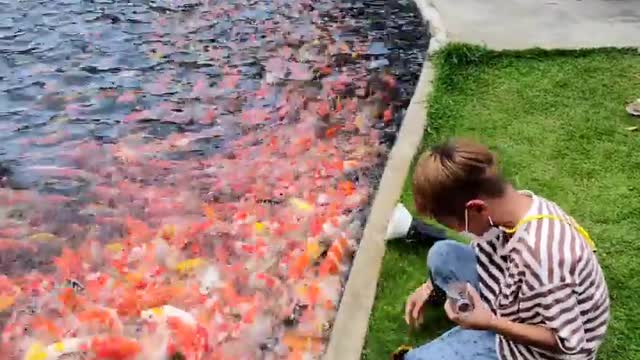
[(138, 230), (95, 285), (298, 343), (70, 299), (114, 348), (209, 212), (132, 301), (332, 131), (101, 318), (69, 263), (191, 341), (313, 293), (250, 316), (346, 188), (299, 266), (41, 324), (129, 305), (335, 257)]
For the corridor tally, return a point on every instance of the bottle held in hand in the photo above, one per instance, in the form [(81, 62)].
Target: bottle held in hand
[(459, 296)]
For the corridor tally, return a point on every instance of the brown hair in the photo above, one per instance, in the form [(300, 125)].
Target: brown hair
[(453, 173)]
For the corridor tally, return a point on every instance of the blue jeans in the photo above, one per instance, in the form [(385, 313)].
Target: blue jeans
[(450, 261)]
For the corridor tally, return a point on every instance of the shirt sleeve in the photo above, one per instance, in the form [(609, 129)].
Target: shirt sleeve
[(557, 305)]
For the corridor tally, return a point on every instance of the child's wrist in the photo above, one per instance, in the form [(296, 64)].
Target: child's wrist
[(496, 324)]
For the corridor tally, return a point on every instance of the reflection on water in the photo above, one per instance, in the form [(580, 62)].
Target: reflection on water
[(211, 156)]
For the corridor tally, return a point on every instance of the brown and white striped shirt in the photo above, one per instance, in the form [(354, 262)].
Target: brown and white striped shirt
[(547, 275)]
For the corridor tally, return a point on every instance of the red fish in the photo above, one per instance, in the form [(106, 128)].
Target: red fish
[(299, 266), (138, 230), (7, 244), (114, 347), (69, 263), (100, 318), (192, 341), (43, 325), (70, 300)]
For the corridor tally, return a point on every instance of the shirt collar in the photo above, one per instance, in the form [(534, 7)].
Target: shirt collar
[(521, 231)]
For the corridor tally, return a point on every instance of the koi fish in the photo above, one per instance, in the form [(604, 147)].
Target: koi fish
[(299, 266), (138, 229), (101, 318), (46, 326), (96, 284), (132, 301), (42, 237), (137, 242), (113, 347), (189, 339), (161, 314), (189, 265), (301, 205), (209, 280), (69, 263), (297, 343), (70, 300), (332, 263), (6, 302), (55, 351), (7, 244)]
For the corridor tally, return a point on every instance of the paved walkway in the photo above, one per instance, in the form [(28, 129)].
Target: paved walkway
[(516, 24)]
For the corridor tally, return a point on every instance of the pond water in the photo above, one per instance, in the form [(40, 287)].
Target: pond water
[(189, 179)]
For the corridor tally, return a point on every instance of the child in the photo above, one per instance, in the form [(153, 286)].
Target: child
[(534, 285)]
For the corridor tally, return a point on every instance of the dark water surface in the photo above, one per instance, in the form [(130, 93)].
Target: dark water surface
[(211, 129)]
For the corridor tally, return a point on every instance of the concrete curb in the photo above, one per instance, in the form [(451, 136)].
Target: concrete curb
[(352, 321)]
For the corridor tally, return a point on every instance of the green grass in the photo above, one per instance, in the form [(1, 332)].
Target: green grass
[(557, 121)]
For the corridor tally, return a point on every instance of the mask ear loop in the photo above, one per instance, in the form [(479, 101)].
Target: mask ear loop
[(466, 220)]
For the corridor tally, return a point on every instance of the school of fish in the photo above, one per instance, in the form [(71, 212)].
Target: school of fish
[(228, 239)]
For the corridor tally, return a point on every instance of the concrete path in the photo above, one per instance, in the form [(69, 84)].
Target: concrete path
[(517, 24)]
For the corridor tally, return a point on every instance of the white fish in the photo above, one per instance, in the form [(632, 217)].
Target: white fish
[(56, 350), (162, 313), (154, 345), (209, 280), (323, 199)]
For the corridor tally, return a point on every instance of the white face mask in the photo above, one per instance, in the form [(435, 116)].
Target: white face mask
[(490, 234)]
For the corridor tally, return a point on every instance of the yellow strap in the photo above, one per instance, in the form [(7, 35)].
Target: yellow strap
[(571, 222)]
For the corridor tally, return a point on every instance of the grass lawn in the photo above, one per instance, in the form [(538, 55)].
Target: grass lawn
[(558, 122)]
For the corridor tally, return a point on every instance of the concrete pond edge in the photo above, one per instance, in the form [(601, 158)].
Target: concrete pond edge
[(352, 320)]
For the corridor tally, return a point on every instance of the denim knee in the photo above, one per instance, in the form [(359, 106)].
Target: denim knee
[(438, 255), (451, 261)]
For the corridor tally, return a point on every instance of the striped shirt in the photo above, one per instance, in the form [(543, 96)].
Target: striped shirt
[(545, 274)]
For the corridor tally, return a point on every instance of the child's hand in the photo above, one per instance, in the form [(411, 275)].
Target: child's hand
[(413, 311), (480, 318)]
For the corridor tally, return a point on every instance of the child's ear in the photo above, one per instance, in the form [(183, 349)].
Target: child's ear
[(476, 205)]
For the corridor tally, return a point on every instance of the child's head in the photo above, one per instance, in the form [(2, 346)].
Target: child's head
[(453, 181)]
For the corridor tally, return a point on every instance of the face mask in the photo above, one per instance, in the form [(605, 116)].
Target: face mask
[(490, 234)]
